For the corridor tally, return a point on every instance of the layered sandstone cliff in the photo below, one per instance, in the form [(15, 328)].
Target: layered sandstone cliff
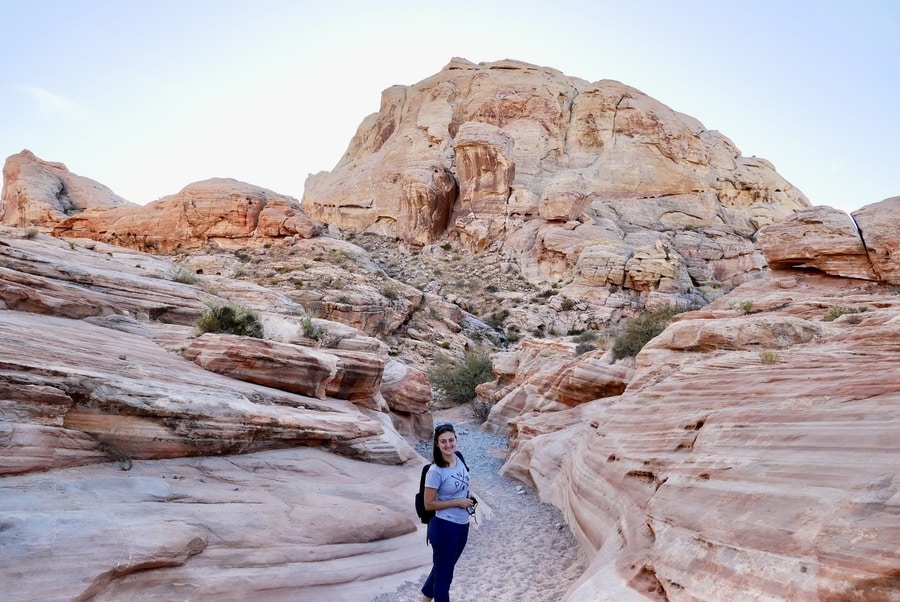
[(753, 453), (141, 459)]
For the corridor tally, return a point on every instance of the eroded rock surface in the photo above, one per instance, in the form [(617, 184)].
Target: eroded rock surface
[(274, 472), (537, 157), (754, 452)]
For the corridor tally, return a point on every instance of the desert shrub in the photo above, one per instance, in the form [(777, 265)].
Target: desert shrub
[(746, 306), (456, 379), (582, 348), (839, 310), (586, 336), (31, 233), (496, 319), (311, 330), (769, 357), (183, 274), (480, 411), (389, 291), (234, 319), (639, 330), (568, 304)]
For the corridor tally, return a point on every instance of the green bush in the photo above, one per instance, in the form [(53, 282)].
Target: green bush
[(456, 379), (586, 336), (639, 330), (496, 319), (311, 330), (582, 348), (839, 310), (234, 319), (390, 291)]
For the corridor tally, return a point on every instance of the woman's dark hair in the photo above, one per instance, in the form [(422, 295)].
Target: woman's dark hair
[(436, 455)]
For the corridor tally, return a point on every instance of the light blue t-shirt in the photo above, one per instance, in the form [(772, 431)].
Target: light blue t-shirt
[(451, 483)]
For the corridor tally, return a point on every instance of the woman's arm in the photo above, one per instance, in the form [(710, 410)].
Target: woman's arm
[(432, 503)]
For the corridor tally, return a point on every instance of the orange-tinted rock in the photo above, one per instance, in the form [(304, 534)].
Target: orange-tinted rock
[(178, 529), (407, 393), (318, 373), (219, 211), (41, 193), (819, 237), (765, 440), (535, 152), (879, 224), (546, 376)]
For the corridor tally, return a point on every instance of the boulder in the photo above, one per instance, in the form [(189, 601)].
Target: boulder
[(41, 193), (820, 237), (319, 373), (878, 225)]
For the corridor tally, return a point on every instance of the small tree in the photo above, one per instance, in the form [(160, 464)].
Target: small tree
[(456, 379)]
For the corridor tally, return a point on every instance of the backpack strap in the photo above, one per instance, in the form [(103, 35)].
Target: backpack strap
[(422, 480), (460, 456)]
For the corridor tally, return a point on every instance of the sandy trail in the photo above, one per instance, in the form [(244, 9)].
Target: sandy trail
[(525, 553)]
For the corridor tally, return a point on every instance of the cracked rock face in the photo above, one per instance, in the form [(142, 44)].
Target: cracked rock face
[(851, 246)]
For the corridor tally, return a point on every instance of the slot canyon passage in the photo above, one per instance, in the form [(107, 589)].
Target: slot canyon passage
[(219, 394)]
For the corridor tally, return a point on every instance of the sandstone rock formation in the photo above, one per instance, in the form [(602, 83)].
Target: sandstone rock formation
[(220, 211), (274, 473), (591, 185), (40, 193), (748, 452), (753, 454)]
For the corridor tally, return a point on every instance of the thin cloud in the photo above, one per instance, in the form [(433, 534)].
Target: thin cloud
[(50, 103)]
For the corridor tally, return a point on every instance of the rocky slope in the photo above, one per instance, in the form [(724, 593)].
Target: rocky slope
[(597, 188)]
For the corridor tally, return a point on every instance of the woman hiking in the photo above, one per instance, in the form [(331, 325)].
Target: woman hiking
[(447, 493)]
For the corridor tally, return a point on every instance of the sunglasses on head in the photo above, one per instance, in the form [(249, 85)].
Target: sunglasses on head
[(444, 427)]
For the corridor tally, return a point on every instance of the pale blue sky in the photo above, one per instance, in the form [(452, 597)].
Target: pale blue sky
[(149, 96)]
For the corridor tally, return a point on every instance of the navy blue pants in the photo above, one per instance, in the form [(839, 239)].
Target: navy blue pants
[(448, 540)]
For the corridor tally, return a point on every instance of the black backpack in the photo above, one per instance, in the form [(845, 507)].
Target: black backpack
[(427, 515)]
